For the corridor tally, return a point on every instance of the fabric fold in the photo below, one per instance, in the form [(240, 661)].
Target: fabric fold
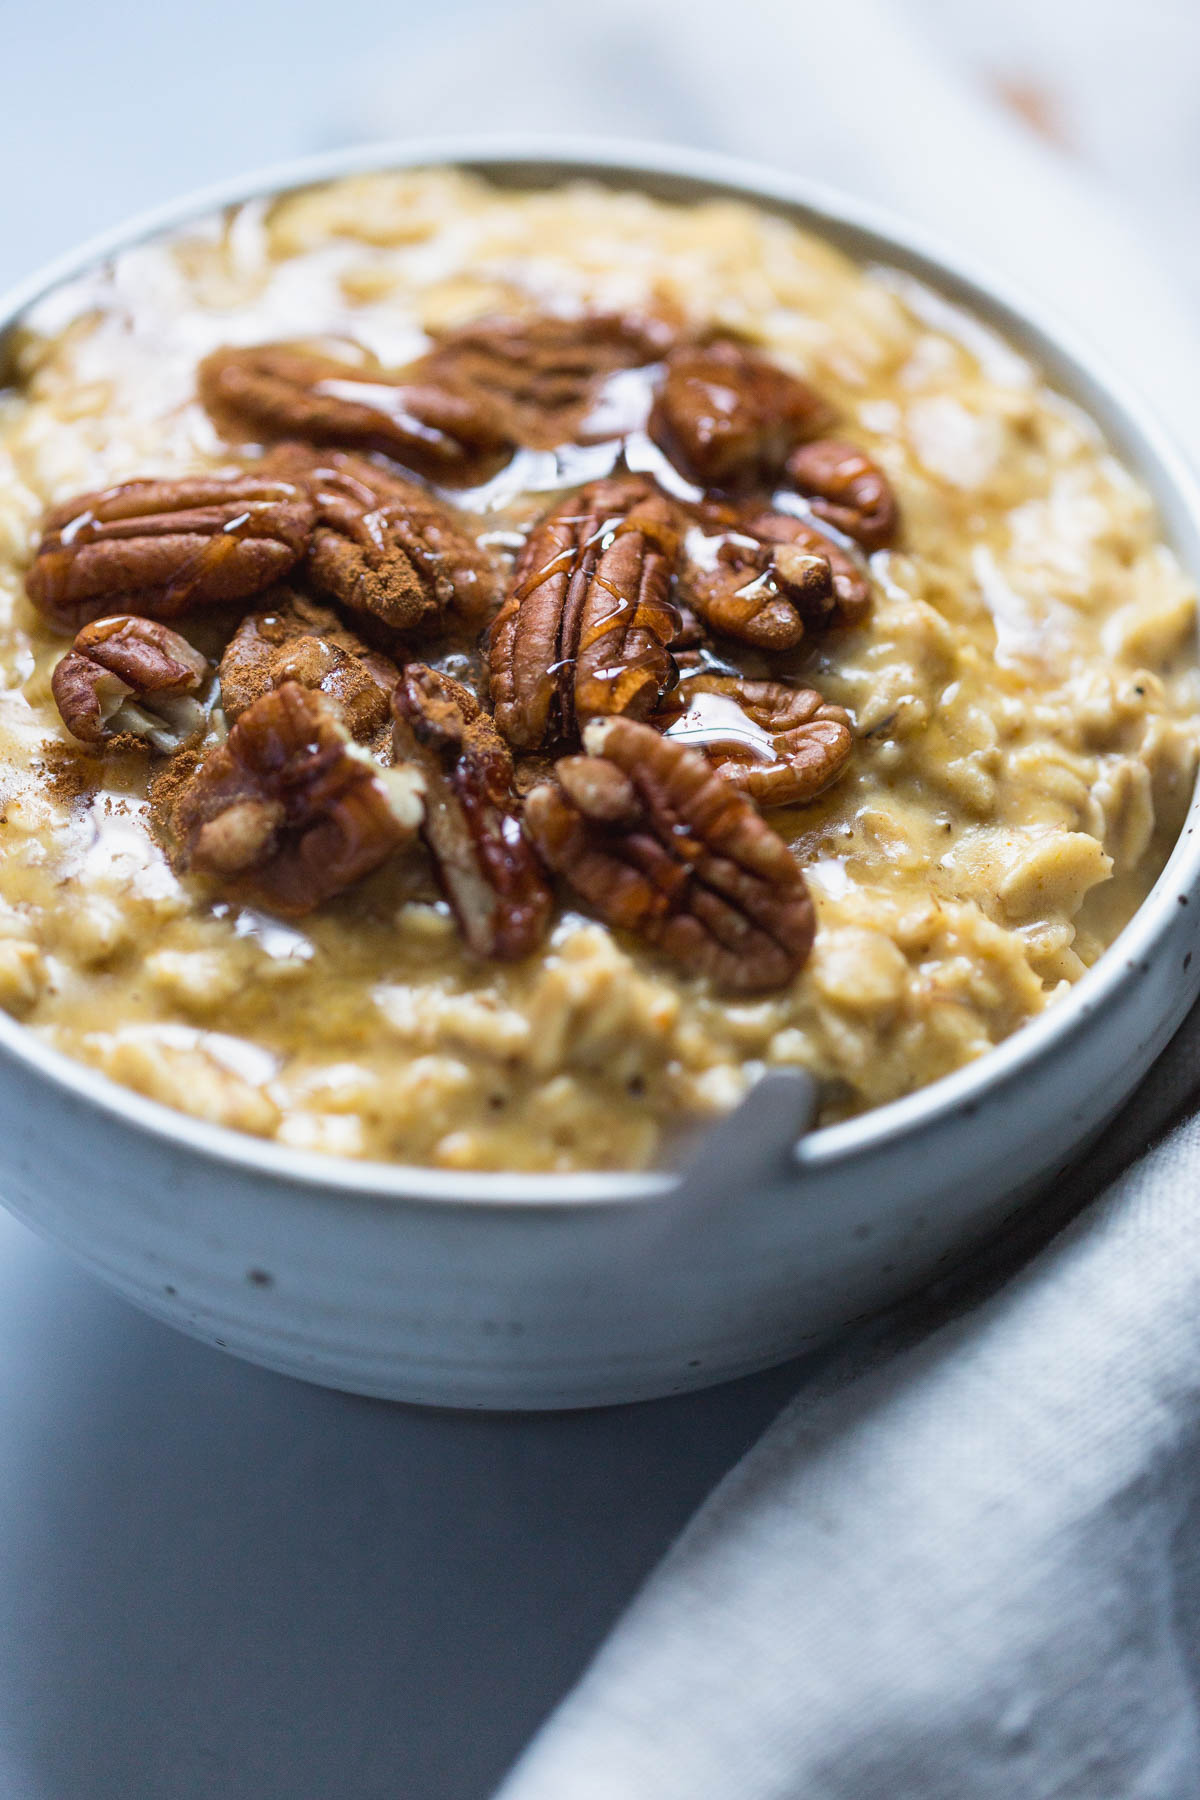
[(961, 1562)]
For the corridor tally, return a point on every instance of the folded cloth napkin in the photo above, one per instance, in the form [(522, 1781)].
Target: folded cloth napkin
[(961, 1564), (964, 1564)]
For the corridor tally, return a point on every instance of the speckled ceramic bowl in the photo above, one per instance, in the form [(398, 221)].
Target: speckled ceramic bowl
[(554, 1291)]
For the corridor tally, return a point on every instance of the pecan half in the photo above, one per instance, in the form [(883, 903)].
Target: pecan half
[(270, 391), (846, 488), (585, 628), (732, 581), (385, 548), (161, 548), (645, 831), (545, 373), (472, 827), (300, 641), (766, 577), (793, 543), (778, 743), (288, 811), (727, 417), (129, 676)]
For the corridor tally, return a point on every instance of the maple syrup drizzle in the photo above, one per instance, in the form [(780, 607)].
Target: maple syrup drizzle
[(389, 401), (717, 722)]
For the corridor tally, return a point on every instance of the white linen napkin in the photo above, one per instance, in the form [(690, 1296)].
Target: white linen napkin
[(964, 1564), (961, 1565)]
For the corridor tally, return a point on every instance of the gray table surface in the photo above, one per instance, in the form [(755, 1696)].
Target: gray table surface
[(215, 1581)]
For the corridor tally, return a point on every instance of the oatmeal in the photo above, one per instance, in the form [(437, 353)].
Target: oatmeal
[(487, 674)]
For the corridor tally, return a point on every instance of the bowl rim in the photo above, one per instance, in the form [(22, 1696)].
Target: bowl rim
[(1062, 355)]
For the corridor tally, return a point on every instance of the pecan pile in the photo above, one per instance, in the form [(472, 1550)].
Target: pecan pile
[(606, 718)]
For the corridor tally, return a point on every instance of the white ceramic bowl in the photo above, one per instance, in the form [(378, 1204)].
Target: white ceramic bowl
[(551, 1291)]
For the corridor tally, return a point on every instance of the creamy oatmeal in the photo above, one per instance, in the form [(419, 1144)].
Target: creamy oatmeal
[(991, 693)]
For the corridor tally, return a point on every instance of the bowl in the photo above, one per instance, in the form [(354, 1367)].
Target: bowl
[(538, 1291)]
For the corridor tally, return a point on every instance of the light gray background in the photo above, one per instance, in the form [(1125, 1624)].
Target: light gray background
[(107, 110), (215, 1582)]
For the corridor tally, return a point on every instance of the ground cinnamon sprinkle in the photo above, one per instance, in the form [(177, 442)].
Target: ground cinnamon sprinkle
[(164, 792), (69, 773)]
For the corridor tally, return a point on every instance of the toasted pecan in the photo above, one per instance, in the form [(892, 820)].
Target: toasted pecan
[(727, 417), (778, 743), (130, 678), (472, 826), (545, 373), (657, 843), (162, 548), (387, 549), (767, 577), (288, 810), (266, 392), (847, 489), (793, 541), (299, 640), (585, 628)]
